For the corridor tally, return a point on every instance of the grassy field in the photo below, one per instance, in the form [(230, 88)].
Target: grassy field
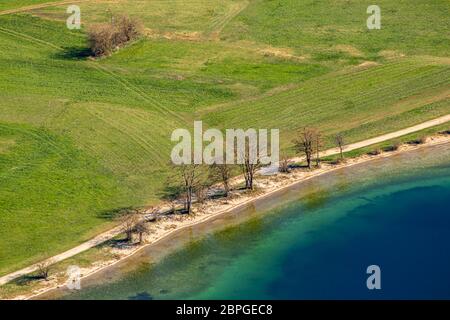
[(357, 103), (15, 4), (81, 138), (330, 28)]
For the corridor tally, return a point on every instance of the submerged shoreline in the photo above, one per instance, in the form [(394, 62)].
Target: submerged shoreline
[(268, 187)]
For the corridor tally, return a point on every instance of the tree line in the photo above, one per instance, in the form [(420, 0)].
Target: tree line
[(192, 181)]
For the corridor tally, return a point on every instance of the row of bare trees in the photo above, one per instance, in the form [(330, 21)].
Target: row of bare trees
[(310, 142), (104, 38), (195, 180), (134, 223), (192, 181)]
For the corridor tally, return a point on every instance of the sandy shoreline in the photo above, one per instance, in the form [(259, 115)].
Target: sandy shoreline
[(213, 208)]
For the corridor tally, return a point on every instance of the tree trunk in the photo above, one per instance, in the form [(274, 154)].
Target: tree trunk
[(188, 205), (226, 188), (308, 160)]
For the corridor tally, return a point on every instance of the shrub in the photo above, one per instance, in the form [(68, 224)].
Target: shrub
[(43, 269), (420, 140), (129, 29), (395, 146), (101, 39), (284, 165), (374, 152), (338, 161), (105, 38)]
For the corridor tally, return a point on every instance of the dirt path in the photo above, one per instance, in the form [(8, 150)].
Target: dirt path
[(388, 136), (117, 230)]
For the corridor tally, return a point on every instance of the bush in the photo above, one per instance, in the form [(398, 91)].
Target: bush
[(420, 140), (374, 152), (101, 39), (105, 38), (339, 161), (43, 269), (395, 146), (285, 165), (129, 29)]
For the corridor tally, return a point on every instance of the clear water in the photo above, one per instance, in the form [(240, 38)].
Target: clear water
[(312, 241)]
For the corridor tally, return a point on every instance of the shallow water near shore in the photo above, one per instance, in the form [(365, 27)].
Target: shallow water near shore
[(313, 240)]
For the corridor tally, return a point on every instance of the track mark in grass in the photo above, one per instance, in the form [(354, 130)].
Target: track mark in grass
[(29, 38), (137, 91)]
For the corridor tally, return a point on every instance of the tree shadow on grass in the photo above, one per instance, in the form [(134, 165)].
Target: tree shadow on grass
[(26, 279), (112, 214), (74, 53)]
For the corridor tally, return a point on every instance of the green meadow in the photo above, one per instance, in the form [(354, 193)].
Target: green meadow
[(14, 4), (81, 138)]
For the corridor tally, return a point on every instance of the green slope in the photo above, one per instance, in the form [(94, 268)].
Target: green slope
[(80, 139)]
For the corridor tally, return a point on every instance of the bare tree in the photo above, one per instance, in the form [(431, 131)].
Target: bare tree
[(339, 140), (172, 193), (129, 221), (284, 164), (129, 28), (141, 228), (43, 269), (318, 144), (222, 172), (201, 192), (101, 39), (249, 163), (190, 175), (305, 143)]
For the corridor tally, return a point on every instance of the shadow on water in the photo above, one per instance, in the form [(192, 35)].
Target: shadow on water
[(141, 296)]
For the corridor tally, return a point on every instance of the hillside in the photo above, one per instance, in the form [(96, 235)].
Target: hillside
[(82, 138)]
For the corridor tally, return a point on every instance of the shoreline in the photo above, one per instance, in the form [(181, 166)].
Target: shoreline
[(212, 210), (297, 178)]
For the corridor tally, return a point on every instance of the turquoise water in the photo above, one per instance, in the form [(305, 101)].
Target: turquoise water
[(313, 241)]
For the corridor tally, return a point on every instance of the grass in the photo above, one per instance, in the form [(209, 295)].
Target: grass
[(49, 190), (340, 26), (15, 4), (173, 15), (81, 138), (24, 285), (358, 103), (387, 145)]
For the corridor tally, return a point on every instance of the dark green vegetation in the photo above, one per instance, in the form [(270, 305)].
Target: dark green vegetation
[(81, 138)]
